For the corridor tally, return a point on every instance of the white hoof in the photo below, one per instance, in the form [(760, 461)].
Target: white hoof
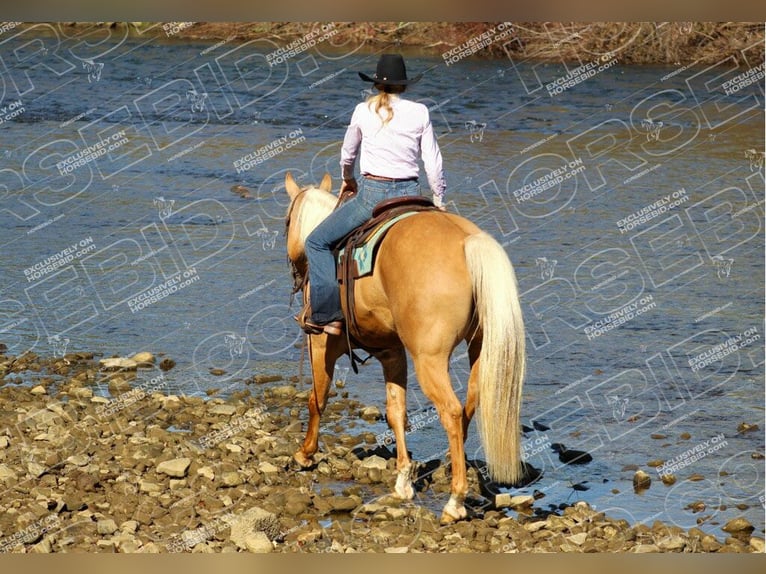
[(454, 510), (403, 488)]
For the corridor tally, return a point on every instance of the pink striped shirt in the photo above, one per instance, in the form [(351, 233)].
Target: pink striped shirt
[(393, 150)]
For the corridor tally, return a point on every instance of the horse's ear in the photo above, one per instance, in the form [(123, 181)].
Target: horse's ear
[(292, 188), (326, 183)]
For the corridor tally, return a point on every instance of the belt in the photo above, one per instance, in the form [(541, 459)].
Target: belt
[(393, 179)]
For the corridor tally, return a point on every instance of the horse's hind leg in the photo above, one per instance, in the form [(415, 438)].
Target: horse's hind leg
[(325, 351), (434, 379), (472, 394), (395, 372)]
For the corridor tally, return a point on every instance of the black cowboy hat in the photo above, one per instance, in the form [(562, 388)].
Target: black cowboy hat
[(391, 71)]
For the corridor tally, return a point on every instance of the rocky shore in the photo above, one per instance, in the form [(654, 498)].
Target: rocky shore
[(145, 471)]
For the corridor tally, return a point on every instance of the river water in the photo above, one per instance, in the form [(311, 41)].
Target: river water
[(630, 200)]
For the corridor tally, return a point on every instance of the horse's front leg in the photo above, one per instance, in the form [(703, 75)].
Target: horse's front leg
[(395, 372), (324, 352)]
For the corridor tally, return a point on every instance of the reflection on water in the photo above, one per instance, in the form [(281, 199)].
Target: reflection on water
[(640, 260)]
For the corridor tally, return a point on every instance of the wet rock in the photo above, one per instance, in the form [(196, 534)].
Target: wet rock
[(118, 364), (668, 479), (283, 392), (744, 427), (571, 456), (685, 436), (696, 477), (738, 526), (371, 414), (222, 409), (144, 359), (344, 503), (167, 364), (516, 502), (216, 372), (177, 468), (641, 481), (117, 386)]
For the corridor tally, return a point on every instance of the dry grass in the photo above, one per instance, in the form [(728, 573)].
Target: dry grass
[(632, 43)]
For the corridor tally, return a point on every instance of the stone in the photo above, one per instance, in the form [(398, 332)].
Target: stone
[(129, 526), (143, 359), (374, 461), (167, 364), (6, 472), (258, 543), (673, 543), (709, 543), (177, 467), (39, 390), (106, 527), (222, 409), (641, 481), (757, 544), (397, 550), (371, 414), (578, 539), (118, 364), (283, 391), (267, 468), (645, 548), (206, 471), (78, 459), (231, 478), (738, 526), (149, 487), (252, 520), (344, 503), (36, 469)]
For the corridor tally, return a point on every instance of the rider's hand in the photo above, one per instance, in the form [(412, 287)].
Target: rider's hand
[(348, 186)]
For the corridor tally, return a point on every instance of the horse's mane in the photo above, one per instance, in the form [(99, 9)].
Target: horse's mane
[(316, 205)]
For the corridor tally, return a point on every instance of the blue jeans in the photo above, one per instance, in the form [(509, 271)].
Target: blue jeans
[(323, 281)]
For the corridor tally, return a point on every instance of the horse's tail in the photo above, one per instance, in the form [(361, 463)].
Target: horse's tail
[(502, 358)]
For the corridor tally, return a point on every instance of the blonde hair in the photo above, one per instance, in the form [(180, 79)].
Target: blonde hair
[(382, 100)]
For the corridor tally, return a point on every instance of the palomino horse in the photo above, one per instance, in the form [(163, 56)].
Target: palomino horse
[(438, 280)]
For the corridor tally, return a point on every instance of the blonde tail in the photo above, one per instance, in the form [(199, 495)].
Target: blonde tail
[(502, 358)]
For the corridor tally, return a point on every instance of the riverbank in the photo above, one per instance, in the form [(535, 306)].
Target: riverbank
[(668, 43), (137, 470)]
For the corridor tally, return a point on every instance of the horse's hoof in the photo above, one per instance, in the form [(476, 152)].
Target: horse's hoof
[(448, 518), (453, 510), (301, 462), (404, 491)]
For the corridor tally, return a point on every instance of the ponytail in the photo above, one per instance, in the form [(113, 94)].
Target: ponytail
[(382, 100)]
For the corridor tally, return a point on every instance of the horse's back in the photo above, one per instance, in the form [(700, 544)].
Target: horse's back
[(421, 276)]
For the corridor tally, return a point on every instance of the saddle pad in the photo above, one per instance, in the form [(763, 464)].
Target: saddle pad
[(364, 255)]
